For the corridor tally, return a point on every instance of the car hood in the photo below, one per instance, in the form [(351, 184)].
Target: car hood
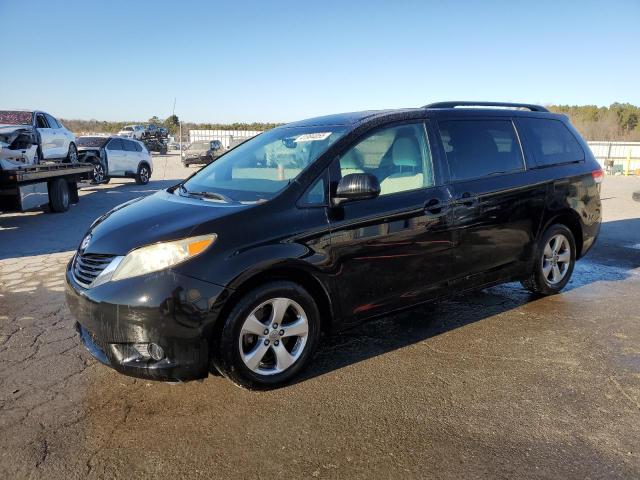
[(162, 216)]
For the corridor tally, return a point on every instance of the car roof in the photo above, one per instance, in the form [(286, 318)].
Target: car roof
[(339, 119), (465, 108)]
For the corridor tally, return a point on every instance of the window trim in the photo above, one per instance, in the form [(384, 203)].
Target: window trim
[(377, 128), (451, 180)]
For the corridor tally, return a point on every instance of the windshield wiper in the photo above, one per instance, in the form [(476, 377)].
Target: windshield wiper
[(206, 195)]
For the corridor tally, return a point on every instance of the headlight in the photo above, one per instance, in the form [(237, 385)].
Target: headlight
[(161, 255)]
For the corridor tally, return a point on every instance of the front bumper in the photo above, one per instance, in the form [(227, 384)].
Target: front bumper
[(119, 321)]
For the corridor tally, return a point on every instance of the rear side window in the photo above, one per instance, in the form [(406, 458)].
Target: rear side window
[(115, 144), (138, 146), (550, 141), (129, 146), (477, 148), (53, 123)]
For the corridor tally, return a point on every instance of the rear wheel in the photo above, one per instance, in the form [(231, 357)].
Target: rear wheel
[(59, 197), (554, 262), (269, 336), (143, 175)]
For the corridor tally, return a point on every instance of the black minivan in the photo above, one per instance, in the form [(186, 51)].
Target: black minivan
[(317, 225)]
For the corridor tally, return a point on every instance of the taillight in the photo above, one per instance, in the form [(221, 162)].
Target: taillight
[(597, 175)]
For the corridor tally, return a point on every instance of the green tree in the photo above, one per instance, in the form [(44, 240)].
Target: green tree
[(154, 120), (172, 123)]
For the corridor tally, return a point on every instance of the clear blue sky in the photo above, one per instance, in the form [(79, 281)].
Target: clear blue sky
[(282, 61)]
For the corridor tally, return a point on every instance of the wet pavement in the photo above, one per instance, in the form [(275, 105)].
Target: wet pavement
[(494, 384)]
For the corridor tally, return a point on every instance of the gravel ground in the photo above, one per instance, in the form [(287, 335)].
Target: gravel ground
[(492, 384)]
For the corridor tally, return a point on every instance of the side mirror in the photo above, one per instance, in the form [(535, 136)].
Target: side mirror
[(356, 186)]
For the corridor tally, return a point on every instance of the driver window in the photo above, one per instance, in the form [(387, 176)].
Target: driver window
[(398, 157), (40, 121)]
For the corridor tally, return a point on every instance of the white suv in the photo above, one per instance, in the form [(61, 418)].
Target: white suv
[(116, 157), (132, 131), (51, 139)]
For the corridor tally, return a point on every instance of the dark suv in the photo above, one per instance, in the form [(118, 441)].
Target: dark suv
[(316, 225)]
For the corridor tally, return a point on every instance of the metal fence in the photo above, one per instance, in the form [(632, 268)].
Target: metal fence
[(225, 136), (617, 157)]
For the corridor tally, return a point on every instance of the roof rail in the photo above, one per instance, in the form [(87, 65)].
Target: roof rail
[(533, 108)]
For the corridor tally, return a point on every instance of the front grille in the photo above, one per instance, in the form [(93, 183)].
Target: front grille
[(87, 267)]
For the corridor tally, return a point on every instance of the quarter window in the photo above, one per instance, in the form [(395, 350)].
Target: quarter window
[(315, 195), (398, 157), (550, 141), (477, 148)]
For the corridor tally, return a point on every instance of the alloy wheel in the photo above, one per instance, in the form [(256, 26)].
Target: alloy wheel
[(73, 154), (98, 173), (273, 336), (144, 174), (556, 259)]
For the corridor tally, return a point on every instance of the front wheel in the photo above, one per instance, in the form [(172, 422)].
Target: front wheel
[(269, 336), (143, 175), (554, 262), (99, 171), (72, 154)]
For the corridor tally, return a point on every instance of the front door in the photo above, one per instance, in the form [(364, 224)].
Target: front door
[(497, 204), (116, 157), (47, 145), (395, 250)]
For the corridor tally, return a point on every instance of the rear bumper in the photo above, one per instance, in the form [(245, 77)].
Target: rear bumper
[(119, 323)]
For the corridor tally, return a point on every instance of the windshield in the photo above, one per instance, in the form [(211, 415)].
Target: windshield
[(200, 145), (15, 117), (127, 129), (92, 141), (259, 168)]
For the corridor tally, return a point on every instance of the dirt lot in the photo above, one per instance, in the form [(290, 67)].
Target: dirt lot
[(493, 384)]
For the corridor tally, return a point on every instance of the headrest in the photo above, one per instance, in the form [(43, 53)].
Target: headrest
[(405, 152), (351, 160)]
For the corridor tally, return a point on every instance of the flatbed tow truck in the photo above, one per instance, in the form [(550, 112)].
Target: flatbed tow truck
[(32, 187)]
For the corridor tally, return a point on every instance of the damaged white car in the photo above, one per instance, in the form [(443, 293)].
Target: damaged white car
[(18, 147), (30, 137)]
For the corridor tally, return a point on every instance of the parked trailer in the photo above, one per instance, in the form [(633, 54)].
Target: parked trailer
[(33, 187)]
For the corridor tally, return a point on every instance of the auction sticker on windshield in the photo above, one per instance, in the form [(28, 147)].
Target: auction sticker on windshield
[(313, 137)]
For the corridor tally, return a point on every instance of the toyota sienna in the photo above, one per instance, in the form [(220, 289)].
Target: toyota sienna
[(317, 225)]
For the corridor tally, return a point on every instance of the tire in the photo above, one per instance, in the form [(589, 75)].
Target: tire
[(99, 171), (59, 197), (550, 273), (72, 154), (143, 175), (253, 360)]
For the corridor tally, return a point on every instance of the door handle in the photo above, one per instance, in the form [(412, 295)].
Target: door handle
[(468, 199)]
